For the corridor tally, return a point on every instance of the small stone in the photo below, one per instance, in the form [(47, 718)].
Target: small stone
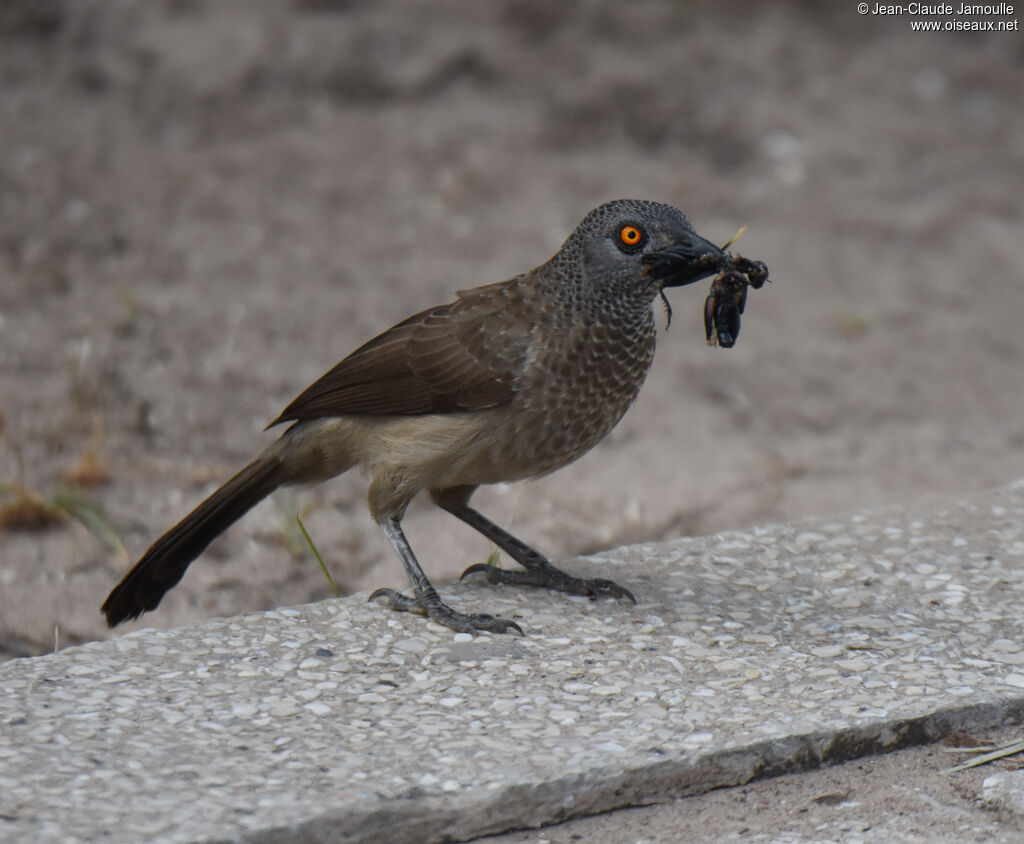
[(411, 645), (284, 709), (697, 739), (1005, 790)]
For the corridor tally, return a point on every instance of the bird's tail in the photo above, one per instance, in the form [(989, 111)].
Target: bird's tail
[(163, 565)]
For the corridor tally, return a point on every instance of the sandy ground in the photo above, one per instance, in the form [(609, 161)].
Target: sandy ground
[(906, 796), (205, 206)]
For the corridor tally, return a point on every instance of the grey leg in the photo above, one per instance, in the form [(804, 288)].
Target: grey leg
[(425, 600), (539, 571)]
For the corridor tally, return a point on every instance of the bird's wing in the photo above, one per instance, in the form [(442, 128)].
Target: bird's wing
[(452, 358)]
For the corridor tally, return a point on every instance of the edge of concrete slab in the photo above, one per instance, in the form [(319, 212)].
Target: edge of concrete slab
[(414, 819)]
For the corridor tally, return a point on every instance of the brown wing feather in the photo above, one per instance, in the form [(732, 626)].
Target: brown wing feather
[(449, 359)]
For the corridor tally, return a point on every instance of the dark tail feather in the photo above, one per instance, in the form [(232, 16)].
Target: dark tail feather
[(163, 565)]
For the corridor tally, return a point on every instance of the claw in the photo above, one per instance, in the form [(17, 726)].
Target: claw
[(395, 600), (610, 588), (552, 578), (486, 568), (493, 624), (445, 615)]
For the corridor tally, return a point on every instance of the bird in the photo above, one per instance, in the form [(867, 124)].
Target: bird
[(509, 381)]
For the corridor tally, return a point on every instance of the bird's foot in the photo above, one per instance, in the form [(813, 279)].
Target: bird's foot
[(550, 577), (434, 608)]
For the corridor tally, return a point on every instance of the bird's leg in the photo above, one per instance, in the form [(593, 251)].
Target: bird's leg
[(425, 600), (539, 570)]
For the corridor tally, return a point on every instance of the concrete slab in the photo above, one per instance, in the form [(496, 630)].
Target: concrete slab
[(749, 654)]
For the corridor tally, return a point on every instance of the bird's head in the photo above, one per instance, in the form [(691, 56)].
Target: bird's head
[(634, 247)]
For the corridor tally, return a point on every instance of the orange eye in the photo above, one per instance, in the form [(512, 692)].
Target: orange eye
[(631, 236)]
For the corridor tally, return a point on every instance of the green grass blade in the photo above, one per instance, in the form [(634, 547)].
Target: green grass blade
[(81, 509), (316, 553)]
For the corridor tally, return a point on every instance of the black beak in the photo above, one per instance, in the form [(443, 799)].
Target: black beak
[(685, 262)]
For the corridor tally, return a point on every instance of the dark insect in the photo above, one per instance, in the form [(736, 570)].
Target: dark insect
[(728, 296)]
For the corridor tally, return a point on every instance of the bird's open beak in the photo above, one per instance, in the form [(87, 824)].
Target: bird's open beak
[(684, 263)]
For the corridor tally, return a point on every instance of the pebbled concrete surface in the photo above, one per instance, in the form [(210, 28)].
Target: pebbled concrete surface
[(749, 654)]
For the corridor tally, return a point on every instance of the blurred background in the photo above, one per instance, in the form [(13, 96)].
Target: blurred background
[(205, 205)]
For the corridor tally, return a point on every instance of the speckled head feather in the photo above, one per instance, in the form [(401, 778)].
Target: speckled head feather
[(595, 269)]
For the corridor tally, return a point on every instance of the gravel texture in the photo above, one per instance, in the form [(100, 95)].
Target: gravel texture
[(748, 654)]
